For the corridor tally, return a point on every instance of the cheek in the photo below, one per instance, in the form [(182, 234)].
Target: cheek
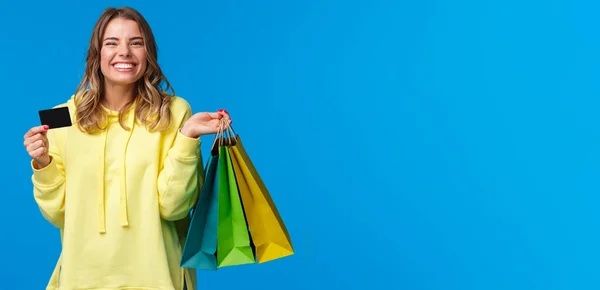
[(143, 63), (142, 67), (105, 57)]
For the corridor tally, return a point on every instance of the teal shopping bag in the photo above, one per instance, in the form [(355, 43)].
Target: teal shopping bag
[(200, 247)]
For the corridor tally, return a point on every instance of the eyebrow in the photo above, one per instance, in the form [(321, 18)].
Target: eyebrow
[(132, 38)]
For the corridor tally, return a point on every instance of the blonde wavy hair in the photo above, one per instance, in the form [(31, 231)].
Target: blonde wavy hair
[(152, 102)]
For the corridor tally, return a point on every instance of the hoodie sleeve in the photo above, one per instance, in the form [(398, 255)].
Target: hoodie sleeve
[(49, 185), (180, 178)]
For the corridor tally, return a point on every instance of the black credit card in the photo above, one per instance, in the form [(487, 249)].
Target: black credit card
[(56, 118)]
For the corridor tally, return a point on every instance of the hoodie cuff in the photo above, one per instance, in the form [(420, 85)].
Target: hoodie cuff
[(185, 147), (47, 176)]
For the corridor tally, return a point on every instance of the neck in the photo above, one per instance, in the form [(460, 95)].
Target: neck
[(117, 96)]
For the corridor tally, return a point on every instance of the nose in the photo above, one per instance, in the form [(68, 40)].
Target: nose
[(124, 51)]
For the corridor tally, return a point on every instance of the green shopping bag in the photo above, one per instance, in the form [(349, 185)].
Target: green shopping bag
[(234, 246)]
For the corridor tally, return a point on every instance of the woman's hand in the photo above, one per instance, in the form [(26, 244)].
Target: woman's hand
[(36, 144), (205, 123)]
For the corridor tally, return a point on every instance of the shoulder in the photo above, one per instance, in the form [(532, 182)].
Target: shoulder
[(180, 105), (181, 109)]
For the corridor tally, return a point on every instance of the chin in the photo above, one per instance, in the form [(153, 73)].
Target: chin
[(124, 80)]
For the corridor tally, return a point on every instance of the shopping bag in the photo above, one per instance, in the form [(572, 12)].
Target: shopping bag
[(269, 234), (200, 247), (234, 246)]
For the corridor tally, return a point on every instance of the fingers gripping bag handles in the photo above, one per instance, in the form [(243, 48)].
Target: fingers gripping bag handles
[(269, 234)]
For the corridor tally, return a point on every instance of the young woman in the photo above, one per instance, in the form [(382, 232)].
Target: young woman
[(120, 182)]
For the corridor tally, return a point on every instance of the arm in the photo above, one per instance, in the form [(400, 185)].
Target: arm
[(49, 185), (178, 181)]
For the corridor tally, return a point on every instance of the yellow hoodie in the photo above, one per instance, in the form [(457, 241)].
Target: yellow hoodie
[(121, 201)]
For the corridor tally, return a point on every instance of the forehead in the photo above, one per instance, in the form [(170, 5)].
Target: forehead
[(120, 27)]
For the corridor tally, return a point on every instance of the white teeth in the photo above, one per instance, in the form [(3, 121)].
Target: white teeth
[(123, 65)]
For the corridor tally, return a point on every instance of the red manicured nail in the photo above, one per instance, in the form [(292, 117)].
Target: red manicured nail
[(46, 127), (220, 110)]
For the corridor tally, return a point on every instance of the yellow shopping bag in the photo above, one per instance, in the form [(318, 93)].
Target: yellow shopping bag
[(267, 230)]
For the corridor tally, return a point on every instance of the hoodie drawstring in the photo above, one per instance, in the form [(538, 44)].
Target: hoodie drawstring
[(101, 206), (130, 117), (124, 213)]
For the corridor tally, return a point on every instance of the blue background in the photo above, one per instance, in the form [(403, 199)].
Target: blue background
[(408, 144)]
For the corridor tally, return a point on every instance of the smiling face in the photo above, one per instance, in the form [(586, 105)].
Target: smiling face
[(123, 54)]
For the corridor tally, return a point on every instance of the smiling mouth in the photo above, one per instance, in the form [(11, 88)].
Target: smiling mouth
[(121, 66)]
